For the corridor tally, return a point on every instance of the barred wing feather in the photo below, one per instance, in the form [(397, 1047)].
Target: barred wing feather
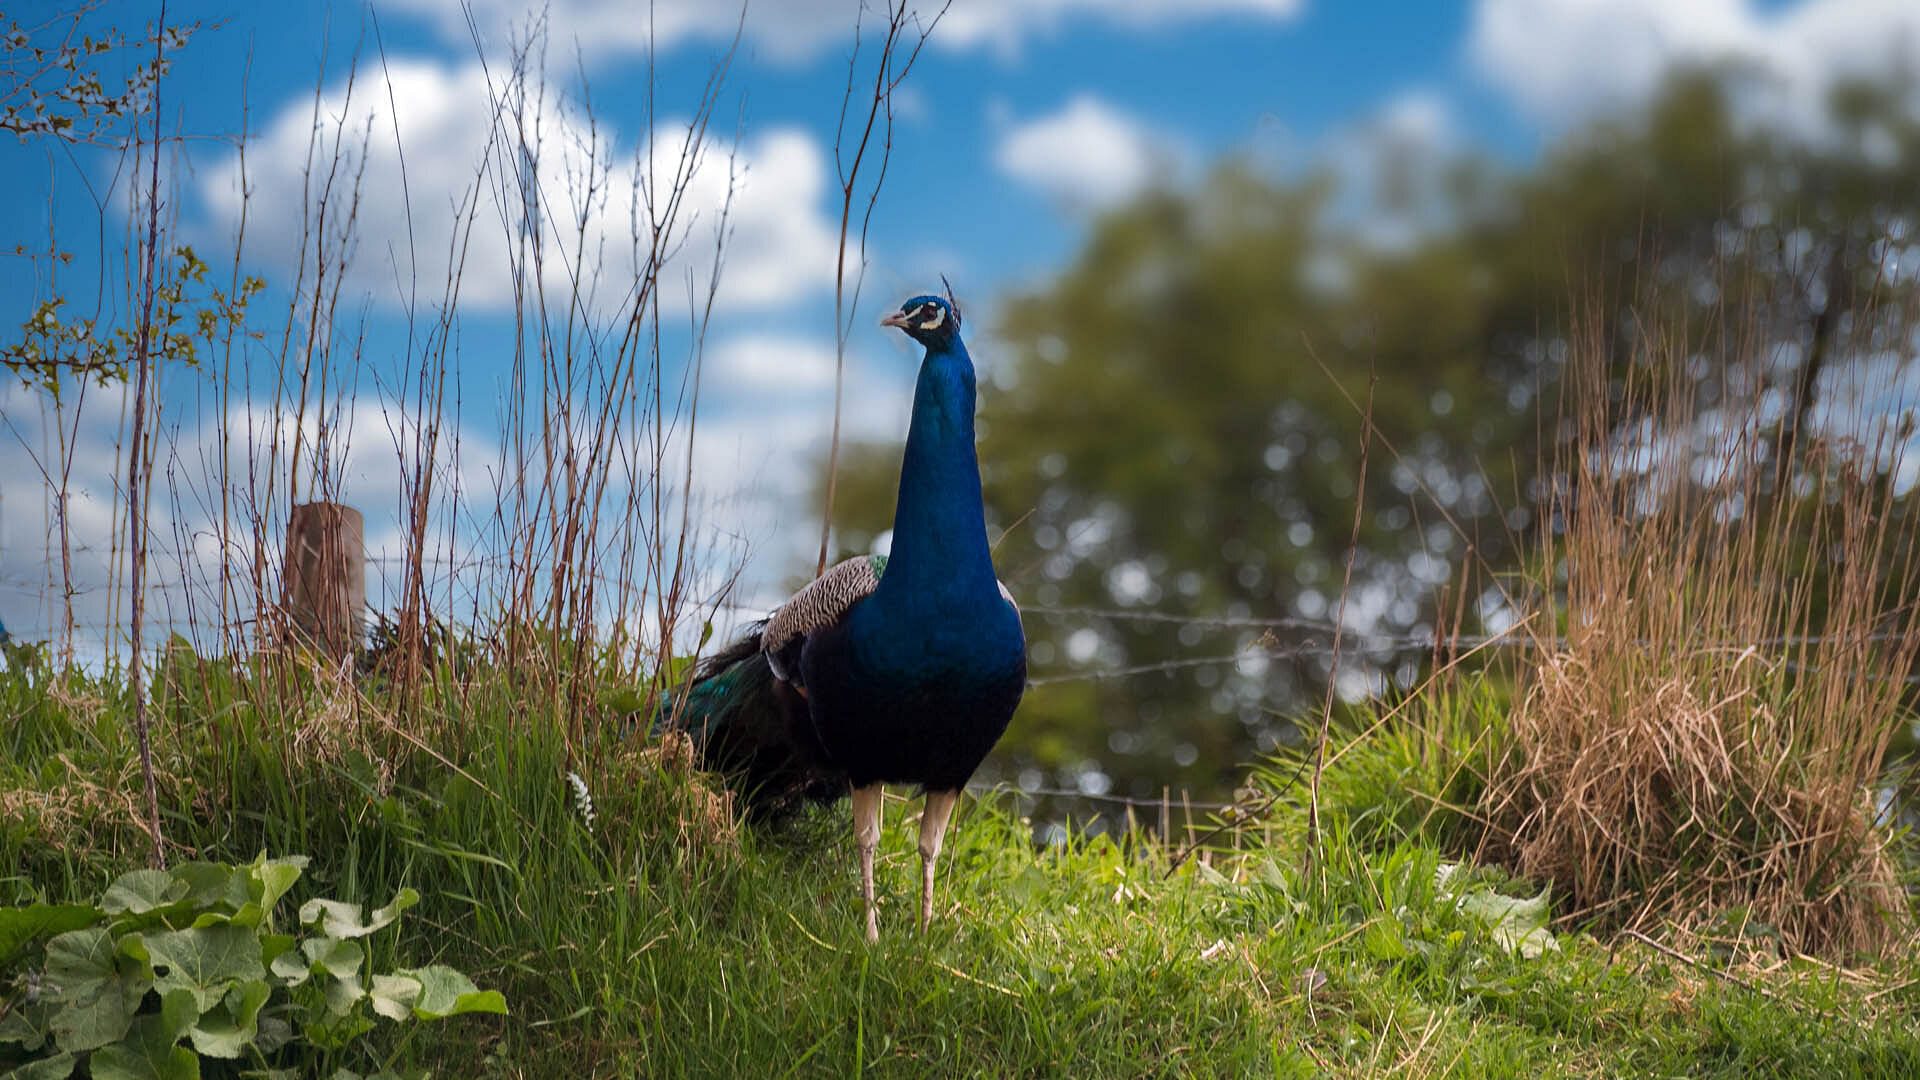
[(823, 602)]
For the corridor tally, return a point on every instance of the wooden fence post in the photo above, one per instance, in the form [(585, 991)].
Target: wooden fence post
[(326, 577)]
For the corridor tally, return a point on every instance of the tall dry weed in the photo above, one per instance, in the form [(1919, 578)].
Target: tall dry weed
[(1705, 733)]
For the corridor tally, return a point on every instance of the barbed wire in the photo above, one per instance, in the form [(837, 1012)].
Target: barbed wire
[(46, 634)]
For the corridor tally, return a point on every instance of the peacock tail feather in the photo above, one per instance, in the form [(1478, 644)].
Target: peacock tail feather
[(750, 727)]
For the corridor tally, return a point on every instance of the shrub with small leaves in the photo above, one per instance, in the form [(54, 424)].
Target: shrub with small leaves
[(174, 966)]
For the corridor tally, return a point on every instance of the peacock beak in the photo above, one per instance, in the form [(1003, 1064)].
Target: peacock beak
[(898, 318)]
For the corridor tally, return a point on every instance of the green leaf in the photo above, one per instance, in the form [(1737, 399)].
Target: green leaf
[(212, 886), (21, 927), (25, 1025), (206, 960), (343, 994), (274, 946), (1518, 924), (274, 1033), (57, 1067), (336, 918), (140, 891), (291, 969), (334, 956), (178, 1012), (333, 1032), (445, 992), (150, 1052), (98, 997), (227, 1030), (273, 877), (339, 960), (1383, 940), (393, 995)]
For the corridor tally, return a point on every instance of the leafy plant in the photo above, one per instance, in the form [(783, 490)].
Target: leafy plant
[(174, 966)]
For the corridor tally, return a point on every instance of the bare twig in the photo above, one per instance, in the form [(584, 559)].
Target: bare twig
[(1717, 973), (887, 78), (1310, 856), (139, 468)]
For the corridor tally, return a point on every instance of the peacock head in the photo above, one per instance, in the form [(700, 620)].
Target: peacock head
[(930, 320)]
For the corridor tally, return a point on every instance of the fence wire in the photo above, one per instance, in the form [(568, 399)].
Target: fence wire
[(1381, 646)]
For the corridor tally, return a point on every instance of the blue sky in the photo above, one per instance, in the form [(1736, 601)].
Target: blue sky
[(1023, 120)]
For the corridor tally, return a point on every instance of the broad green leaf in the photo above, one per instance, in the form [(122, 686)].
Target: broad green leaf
[(343, 993), (213, 885), (228, 1029), (1519, 924), (274, 1034), (140, 891), (339, 960), (330, 1032), (148, 1053), (445, 992), (1383, 940), (248, 915), (57, 1067), (290, 968), (273, 877), (98, 998), (335, 956), (25, 1025), (273, 946), (393, 995), (206, 960), (335, 918), (178, 1012), (22, 926)]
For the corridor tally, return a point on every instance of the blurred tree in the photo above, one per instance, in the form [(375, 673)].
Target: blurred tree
[(1171, 436)]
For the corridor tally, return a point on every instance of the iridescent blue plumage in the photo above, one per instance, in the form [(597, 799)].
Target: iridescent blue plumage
[(907, 675)]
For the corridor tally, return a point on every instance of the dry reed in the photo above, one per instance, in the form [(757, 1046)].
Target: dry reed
[(1706, 733)]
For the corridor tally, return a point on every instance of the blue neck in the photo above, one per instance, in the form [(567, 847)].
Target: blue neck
[(940, 549)]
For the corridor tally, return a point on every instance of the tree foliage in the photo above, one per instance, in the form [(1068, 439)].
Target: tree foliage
[(1172, 436)]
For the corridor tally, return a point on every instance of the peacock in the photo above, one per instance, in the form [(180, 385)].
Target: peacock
[(902, 669)]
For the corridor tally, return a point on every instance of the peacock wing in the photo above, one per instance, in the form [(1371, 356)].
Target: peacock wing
[(823, 602)]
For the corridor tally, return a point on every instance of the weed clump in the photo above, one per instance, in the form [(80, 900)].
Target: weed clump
[(1704, 735)]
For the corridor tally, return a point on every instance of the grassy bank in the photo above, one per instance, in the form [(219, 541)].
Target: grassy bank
[(663, 939)]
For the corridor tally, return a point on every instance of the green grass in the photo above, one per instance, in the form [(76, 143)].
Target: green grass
[(666, 942)]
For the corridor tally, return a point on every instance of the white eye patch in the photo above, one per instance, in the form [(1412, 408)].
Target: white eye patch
[(939, 319)]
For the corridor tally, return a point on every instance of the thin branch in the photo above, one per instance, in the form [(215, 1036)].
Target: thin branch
[(886, 79), (138, 466), (1311, 855)]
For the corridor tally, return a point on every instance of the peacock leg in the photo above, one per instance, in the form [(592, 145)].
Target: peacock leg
[(933, 829), (866, 834)]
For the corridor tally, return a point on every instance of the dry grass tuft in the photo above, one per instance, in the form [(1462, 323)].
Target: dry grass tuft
[(1705, 738), (656, 794), (82, 811), (1651, 802)]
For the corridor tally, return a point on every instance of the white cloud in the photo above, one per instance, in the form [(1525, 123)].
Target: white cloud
[(1561, 60), (754, 459), (441, 171), (770, 365), (753, 456), (1391, 165), (371, 449), (794, 29), (1087, 155), (1005, 24)]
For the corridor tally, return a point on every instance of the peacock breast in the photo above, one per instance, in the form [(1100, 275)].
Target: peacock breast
[(954, 644)]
